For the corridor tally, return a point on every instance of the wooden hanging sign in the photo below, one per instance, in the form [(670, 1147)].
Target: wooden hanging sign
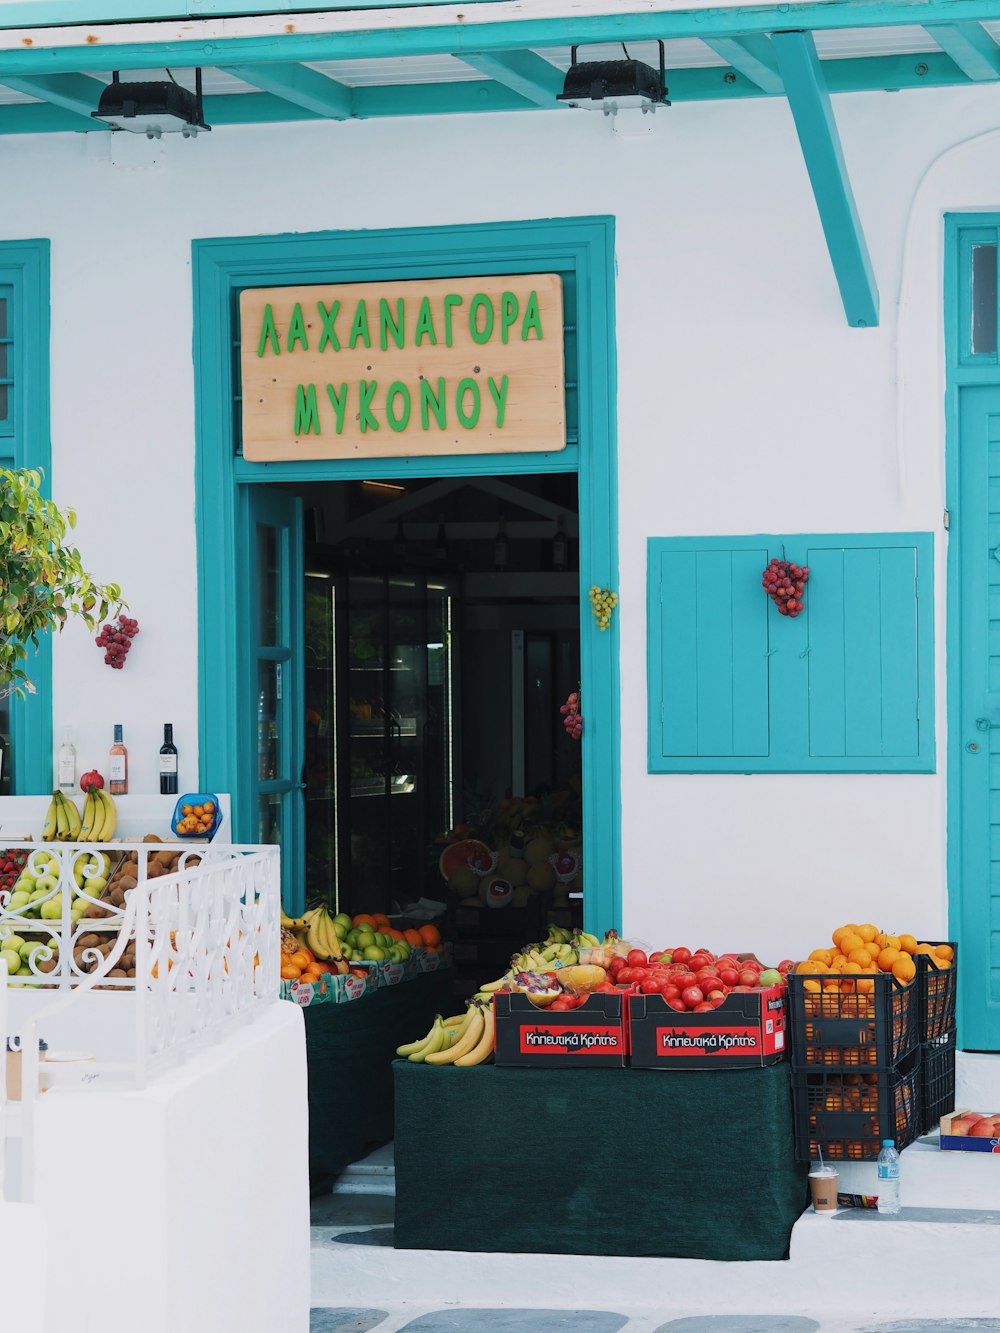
[(389, 369)]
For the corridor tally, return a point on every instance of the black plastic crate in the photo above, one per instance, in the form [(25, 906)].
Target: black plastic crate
[(845, 1116), (937, 988), (937, 1081), (864, 1021)]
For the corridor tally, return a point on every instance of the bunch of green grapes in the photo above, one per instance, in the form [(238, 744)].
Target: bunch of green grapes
[(603, 601)]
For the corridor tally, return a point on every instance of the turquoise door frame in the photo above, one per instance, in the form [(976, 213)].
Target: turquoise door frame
[(581, 248), (972, 423)]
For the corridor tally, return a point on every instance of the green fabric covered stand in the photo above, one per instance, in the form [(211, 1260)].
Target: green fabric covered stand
[(350, 1049), (689, 1164)]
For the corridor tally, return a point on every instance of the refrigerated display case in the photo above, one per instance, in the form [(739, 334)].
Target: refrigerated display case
[(381, 747)]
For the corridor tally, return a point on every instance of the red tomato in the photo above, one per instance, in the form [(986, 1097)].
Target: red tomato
[(729, 975), (624, 976), (692, 995), (709, 970), (716, 1000), (560, 1006), (785, 965), (684, 979), (606, 988), (703, 1008), (680, 955), (637, 958), (678, 1004), (669, 991), (748, 977), (740, 990), (698, 960), (650, 986), (655, 957)]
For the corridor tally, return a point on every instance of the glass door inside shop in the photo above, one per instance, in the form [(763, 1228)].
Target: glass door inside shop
[(273, 777), (441, 634)]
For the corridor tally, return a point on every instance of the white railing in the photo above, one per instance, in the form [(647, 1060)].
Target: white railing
[(190, 953)]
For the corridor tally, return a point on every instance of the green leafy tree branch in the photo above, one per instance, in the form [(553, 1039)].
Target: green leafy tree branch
[(42, 578)]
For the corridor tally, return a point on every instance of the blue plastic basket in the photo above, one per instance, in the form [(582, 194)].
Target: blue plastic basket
[(195, 798)]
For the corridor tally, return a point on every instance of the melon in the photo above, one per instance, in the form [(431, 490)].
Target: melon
[(468, 853), (539, 849), (515, 871), (462, 880), (541, 877)]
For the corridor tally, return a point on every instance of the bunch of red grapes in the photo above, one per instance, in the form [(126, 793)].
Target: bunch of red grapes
[(572, 718), (785, 583), (116, 640)]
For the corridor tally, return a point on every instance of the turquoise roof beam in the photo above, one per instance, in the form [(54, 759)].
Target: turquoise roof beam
[(809, 100), (523, 72), (971, 47), (69, 92), (750, 56), (303, 87)]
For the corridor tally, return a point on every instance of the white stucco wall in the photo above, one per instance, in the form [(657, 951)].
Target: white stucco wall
[(746, 404)]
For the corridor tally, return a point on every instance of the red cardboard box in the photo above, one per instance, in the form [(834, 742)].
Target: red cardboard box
[(962, 1142), (593, 1036), (747, 1030)]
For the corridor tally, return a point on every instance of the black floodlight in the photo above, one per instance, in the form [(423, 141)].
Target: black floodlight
[(153, 108), (614, 85)]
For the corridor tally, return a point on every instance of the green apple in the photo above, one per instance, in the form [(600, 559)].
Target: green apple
[(12, 958), (94, 885), (394, 955), (373, 954), (47, 883), (365, 940), (340, 930), (52, 908), (13, 942), (403, 947), (342, 919), (19, 898), (25, 881)]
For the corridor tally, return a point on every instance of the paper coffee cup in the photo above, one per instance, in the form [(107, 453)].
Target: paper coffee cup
[(823, 1187)]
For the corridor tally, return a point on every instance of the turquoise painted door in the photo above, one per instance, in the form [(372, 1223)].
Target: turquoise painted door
[(977, 531), (273, 725)]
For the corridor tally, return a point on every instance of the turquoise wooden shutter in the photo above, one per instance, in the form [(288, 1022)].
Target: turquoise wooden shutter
[(847, 686), (708, 637)]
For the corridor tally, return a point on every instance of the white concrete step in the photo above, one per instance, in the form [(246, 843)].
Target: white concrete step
[(930, 1178), (977, 1081)]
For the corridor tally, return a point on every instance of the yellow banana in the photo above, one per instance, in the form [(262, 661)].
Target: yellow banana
[(496, 985), (330, 939), (435, 1044), (484, 1047), (90, 813), (72, 816), (314, 938), (411, 1047), (62, 818), (468, 1041), (456, 1020), (111, 821), (51, 825), (100, 818)]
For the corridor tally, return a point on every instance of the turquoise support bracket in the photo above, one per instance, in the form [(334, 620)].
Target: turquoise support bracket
[(752, 57), (971, 47), (521, 71), (809, 100), (301, 86), (71, 92)]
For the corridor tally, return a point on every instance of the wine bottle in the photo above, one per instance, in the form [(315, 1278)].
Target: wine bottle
[(168, 762), (118, 756), (66, 765)]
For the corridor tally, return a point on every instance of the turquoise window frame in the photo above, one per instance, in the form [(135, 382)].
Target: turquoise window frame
[(788, 733), (222, 267), (24, 274)]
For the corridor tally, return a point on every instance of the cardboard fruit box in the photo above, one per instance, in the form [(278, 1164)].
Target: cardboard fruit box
[(593, 1036), (963, 1142), (747, 1030)]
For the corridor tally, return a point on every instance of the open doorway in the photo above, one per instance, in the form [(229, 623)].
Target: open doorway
[(441, 630)]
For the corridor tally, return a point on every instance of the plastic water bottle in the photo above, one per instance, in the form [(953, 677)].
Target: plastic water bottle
[(888, 1178)]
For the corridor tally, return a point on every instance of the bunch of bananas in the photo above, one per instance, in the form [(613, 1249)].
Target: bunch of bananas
[(463, 1040), (100, 816), (62, 820), (315, 929)]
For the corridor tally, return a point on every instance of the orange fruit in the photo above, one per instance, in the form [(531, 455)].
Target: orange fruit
[(887, 957), (908, 943), (944, 951), (290, 971), (890, 941), (904, 969), (867, 933), (363, 919), (412, 937), (821, 956), (860, 956), (839, 963), (430, 935), (185, 809), (852, 966), (209, 807), (810, 985), (849, 942)]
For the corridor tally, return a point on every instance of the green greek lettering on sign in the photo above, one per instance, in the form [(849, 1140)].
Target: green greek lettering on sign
[(451, 301), (387, 326), (329, 318), (268, 333), (359, 329), (532, 318), (429, 402), (306, 410), (481, 302), (365, 417), (509, 306), (468, 419), (339, 402), (499, 395), (297, 329), (425, 325), (397, 389)]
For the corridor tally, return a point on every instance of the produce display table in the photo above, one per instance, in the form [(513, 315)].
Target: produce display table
[(694, 1164), (350, 1049)]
